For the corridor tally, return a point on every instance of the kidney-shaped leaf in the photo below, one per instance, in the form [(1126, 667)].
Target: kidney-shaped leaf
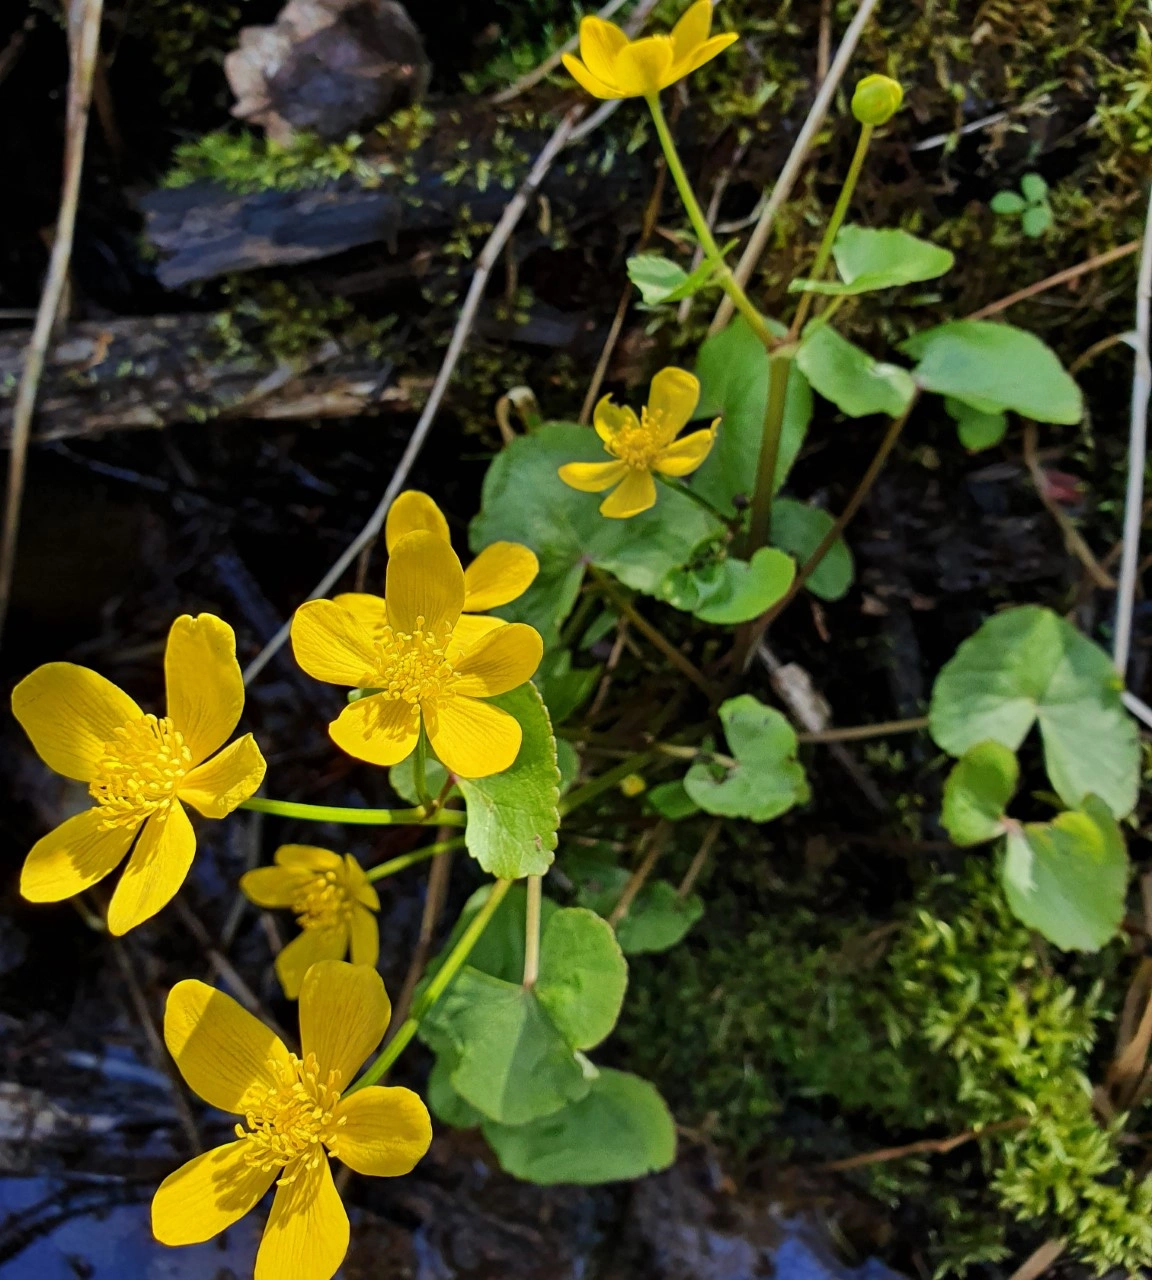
[(658, 917), (1068, 878), (855, 382), (513, 816), (583, 976), (733, 372), (731, 591), (994, 367), (977, 792), (870, 258), (976, 429), (1027, 665), (524, 500), (766, 779), (799, 529), (620, 1129)]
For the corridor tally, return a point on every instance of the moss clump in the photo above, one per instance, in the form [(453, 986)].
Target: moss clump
[(949, 1019)]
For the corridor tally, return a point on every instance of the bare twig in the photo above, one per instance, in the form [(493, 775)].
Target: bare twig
[(84, 17), (824, 41), (485, 264), (156, 1049), (861, 732), (614, 656), (1037, 1262), (1137, 449), (701, 857), (926, 1146), (1072, 539), (657, 839), (438, 877), (1053, 281), (758, 241)]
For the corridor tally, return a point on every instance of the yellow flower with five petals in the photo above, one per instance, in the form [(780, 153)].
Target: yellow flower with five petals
[(334, 904), (417, 660), (499, 574), (612, 66), (643, 445), (140, 769), (295, 1111)]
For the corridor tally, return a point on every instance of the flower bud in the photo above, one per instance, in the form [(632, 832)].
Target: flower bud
[(877, 99), (633, 785)]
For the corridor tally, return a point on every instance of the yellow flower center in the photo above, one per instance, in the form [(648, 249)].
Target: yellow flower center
[(638, 445), (290, 1122), (139, 771), (413, 666), (323, 903)]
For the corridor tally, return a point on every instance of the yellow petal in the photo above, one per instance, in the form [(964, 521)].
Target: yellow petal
[(72, 857), (672, 401), (217, 786), (609, 419), (499, 574), (425, 581), (468, 633), (365, 938), (207, 1194), (583, 77), (274, 886), (642, 67), (205, 687), (692, 30), (593, 477), (636, 493), (384, 1133), (472, 738), (682, 457), (359, 886), (378, 730), (503, 660), (307, 1233), (157, 868), (333, 645), (222, 1051), (308, 948), (413, 510), (705, 53), (344, 1012), (370, 611), (600, 43), (70, 712)]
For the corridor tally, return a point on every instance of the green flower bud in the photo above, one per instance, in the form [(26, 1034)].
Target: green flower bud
[(877, 99)]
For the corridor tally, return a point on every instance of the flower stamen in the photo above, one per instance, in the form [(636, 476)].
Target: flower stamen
[(413, 666), (287, 1125), (139, 771), (323, 903)]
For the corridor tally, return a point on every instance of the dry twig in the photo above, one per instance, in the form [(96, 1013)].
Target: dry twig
[(1053, 281), (439, 875), (926, 1146)]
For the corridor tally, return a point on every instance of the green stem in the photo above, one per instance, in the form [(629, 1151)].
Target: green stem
[(420, 768), (724, 276), (834, 224), (406, 860), (697, 498), (760, 522), (589, 791), (434, 990), (532, 931), (417, 817)]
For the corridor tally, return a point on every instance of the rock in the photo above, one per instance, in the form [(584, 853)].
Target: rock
[(327, 67)]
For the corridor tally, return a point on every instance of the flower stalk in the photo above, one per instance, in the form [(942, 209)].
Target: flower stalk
[(406, 860), (532, 931), (419, 816)]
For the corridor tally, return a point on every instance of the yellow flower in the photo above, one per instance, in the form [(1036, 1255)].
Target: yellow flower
[(499, 574), (877, 99), (417, 657), (294, 1115), (643, 445), (140, 769), (615, 67), (333, 901)]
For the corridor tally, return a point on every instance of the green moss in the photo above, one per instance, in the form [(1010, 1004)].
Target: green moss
[(948, 1019)]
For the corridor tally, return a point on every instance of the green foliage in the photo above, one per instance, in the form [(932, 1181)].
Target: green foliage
[(661, 280), (733, 372), (730, 591), (857, 384), (513, 816), (564, 687), (524, 500), (799, 529), (658, 917), (764, 779), (1068, 878), (870, 259), (1030, 205), (976, 429), (620, 1129), (977, 792), (1027, 666), (993, 367)]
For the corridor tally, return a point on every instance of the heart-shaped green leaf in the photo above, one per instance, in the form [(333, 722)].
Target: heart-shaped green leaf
[(730, 591), (977, 792), (855, 382), (870, 258), (799, 529)]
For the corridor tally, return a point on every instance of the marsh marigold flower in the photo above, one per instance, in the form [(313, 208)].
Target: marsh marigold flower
[(499, 574), (140, 769), (294, 1111), (416, 658), (612, 66), (643, 445), (334, 904)]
